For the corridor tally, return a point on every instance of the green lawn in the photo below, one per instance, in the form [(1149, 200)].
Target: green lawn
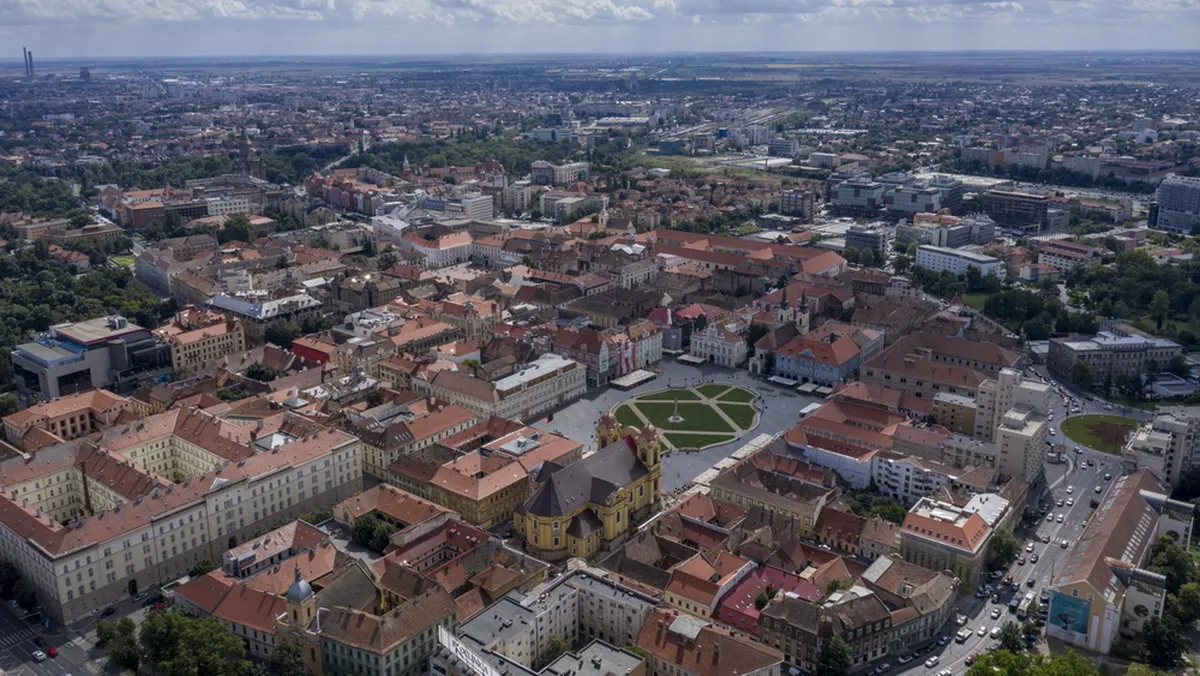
[(742, 415), (626, 416), (737, 394), (712, 389), (1104, 433), (976, 300), (670, 395), (123, 261), (684, 440), (697, 417)]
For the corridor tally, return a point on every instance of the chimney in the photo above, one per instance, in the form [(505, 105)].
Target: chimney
[(30, 65)]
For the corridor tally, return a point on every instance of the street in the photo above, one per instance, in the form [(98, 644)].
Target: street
[(17, 638)]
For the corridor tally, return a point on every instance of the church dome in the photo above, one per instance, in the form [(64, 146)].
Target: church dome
[(300, 589)]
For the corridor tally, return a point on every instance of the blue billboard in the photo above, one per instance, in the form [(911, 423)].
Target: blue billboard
[(1070, 616)]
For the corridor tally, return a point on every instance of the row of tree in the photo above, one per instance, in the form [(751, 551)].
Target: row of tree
[(168, 642)]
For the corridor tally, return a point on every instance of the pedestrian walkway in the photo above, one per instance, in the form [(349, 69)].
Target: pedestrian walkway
[(9, 640)]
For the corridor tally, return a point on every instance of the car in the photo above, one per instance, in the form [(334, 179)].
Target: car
[(995, 613), (904, 659), (995, 598), (39, 656), (1083, 465), (1008, 579), (1052, 433), (1064, 544), (1078, 450), (1020, 560), (1059, 503), (1029, 547), (1107, 477), (1070, 502), (1050, 518), (970, 660), (943, 639), (1070, 490), (52, 652), (996, 574), (1045, 539), (1099, 490), (980, 593), (961, 620), (1059, 518), (140, 596), (1031, 582), (1033, 558), (159, 606), (108, 612), (1108, 407), (982, 631), (931, 662), (12, 603), (995, 632), (883, 667), (945, 672)]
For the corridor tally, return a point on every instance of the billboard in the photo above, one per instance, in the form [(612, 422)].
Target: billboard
[(1070, 616)]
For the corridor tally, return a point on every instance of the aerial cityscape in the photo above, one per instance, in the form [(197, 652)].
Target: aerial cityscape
[(496, 360)]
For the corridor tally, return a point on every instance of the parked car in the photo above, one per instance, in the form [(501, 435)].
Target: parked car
[(931, 662), (39, 656)]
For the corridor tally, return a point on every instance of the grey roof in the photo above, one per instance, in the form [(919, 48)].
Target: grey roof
[(585, 524), (593, 479)]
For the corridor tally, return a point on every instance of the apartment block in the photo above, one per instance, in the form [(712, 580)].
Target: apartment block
[(545, 173), (1168, 446), (943, 536), (199, 337), (1177, 202), (65, 418)]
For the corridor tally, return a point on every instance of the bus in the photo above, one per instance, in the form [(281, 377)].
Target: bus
[(1026, 604)]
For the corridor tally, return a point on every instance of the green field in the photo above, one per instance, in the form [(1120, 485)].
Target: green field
[(123, 261), (976, 300), (697, 417), (626, 416), (685, 440), (706, 418), (737, 394), (712, 390), (671, 395), (1104, 433), (742, 415)]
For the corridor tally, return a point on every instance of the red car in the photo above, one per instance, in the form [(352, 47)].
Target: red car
[(970, 660), (52, 652)]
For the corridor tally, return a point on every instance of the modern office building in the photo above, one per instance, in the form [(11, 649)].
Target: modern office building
[(877, 237), (1177, 202), (797, 203), (546, 173), (1016, 209), (859, 195), (107, 352), (913, 198), (941, 259), (950, 232)]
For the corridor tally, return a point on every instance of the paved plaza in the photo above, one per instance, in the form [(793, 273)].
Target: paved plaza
[(779, 409)]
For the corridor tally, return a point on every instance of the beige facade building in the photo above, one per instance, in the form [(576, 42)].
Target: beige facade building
[(65, 418), (95, 521), (199, 337), (542, 385), (943, 536)]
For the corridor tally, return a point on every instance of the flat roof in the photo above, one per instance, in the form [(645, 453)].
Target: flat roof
[(95, 330), (543, 365), (958, 253)]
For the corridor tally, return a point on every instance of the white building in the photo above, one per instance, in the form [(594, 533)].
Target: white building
[(439, 252), (721, 342), (1178, 200), (542, 385), (940, 259), (908, 479)]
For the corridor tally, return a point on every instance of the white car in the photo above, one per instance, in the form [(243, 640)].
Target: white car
[(1099, 490), (1059, 503), (1052, 433), (995, 616), (1029, 547), (982, 631), (931, 662), (1059, 518), (995, 632), (39, 656), (1070, 502), (1070, 490)]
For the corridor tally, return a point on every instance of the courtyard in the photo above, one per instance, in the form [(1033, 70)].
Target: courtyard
[(693, 417), (778, 409)]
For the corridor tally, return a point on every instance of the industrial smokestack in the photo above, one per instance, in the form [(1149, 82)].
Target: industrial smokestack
[(30, 65), (25, 61)]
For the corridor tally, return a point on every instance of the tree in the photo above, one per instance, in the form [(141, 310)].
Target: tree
[(286, 660), (1160, 305), (1011, 638), (1164, 641), (281, 333), (756, 332), (174, 644), (236, 228), (1023, 664), (555, 647), (1003, 549), (24, 596), (1081, 375), (261, 372), (636, 650), (1171, 560), (363, 530), (835, 586), (1185, 605), (382, 536), (202, 567), (374, 398), (835, 658), (119, 638), (9, 575), (9, 404)]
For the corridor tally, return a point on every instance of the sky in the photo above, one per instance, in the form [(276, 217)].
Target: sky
[(109, 28)]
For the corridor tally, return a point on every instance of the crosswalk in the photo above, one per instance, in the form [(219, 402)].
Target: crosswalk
[(12, 639)]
